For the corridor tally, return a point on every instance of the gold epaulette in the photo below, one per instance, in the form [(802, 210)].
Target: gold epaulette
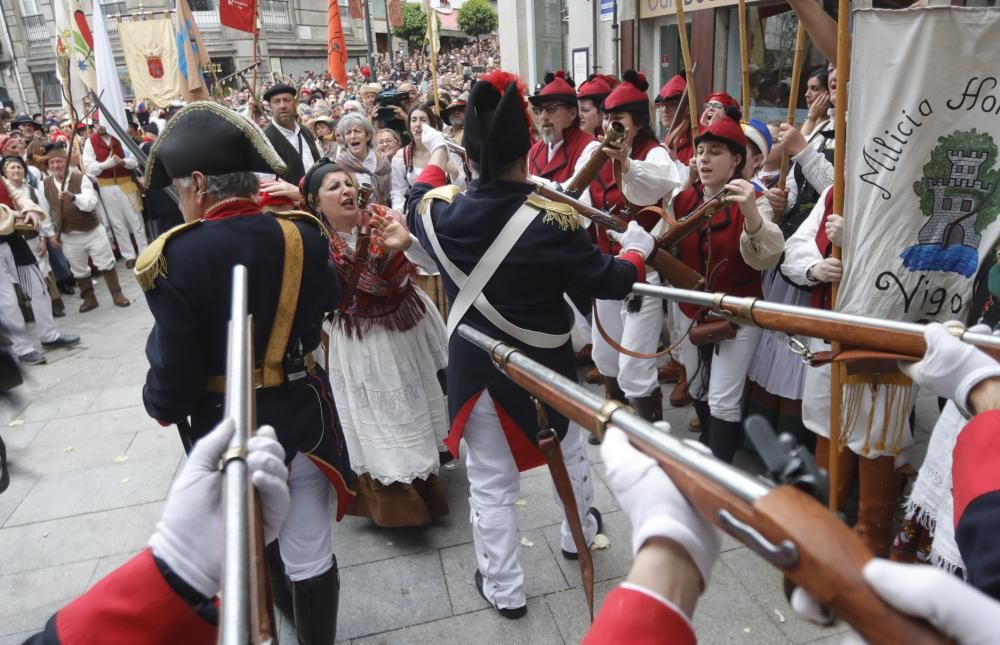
[(562, 215), (305, 217), (151, 263), (444, 193)]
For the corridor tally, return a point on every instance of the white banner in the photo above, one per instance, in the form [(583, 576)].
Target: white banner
[(923, 178), (150, 52)]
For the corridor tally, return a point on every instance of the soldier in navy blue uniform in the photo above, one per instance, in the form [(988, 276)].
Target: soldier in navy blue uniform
[(545, 253), (210, 155)]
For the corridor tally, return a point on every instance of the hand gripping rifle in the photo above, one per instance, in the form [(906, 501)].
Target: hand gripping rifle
[(245, 615), (901, 340), (361, 247), (784, 525)]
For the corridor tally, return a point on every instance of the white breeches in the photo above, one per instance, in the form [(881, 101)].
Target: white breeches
[(33, 285), (639, 332), (305, 538), (79, 245), (728, 373), (124, 219), (494, 486)]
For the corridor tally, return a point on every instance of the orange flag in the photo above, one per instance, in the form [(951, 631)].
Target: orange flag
[(395, 13), (357, 12), (336, 48)]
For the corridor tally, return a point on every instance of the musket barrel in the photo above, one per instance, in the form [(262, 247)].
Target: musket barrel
[(747, 488), (235, 626), (714, 301)]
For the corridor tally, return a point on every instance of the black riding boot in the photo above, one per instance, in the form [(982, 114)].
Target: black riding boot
[(316, 601), (724, 438), (704, 420)]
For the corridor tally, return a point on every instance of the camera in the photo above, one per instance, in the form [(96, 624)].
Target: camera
[(386, 100)]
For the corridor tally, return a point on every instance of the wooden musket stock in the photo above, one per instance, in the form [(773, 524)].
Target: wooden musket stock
[(587, 174), (361, 247), (889, 336), (785, 526)]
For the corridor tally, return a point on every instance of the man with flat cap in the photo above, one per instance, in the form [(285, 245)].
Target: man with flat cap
[(539, 251), (295, 145), (210, 154), (564, 147)]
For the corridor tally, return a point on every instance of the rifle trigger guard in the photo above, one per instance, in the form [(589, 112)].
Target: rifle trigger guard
[(604, 414), (783, 556)]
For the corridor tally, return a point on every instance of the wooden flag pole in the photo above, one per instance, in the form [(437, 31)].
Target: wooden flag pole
[(744, 57), (839, 159), (689, 76), (793, 96), (431, 33)]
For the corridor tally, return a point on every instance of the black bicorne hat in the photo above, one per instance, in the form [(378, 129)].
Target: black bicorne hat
[(209, 138), (497, 129)]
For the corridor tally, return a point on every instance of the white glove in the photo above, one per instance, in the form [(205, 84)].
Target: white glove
[(431, 138), (635, 238), (959, 610), (189, 536), (951, 368), (827, 270), (654, 505)]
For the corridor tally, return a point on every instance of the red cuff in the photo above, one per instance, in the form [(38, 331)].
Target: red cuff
[(133, 604), (975, 468), (630, 616), (433, 175), (635, 259)]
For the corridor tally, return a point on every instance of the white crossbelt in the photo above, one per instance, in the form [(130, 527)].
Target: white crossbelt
[(470, 287)]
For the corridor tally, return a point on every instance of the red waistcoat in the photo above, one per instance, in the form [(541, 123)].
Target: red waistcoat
[(713, 250), (103, 150), (822, 293), (560, 166), (606, 195)]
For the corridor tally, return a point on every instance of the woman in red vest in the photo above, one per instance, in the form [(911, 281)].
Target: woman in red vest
[(638, 176), (730, 250)]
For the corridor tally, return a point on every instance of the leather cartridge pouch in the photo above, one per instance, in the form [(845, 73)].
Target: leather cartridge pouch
[(711, 332)]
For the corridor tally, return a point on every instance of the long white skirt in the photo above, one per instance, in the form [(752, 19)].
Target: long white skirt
[(775, 367), (390, 402)]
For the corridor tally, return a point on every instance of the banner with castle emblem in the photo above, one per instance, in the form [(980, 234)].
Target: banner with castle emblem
[(151, 56), (923, 173)]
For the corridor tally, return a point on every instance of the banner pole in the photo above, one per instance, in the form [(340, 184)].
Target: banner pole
[(839, 161), (689, 77), (744, 57), (793, 97)]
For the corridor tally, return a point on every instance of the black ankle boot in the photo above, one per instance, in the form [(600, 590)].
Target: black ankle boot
[(724, 438), (649, 407), (281, 586), (316, 601), (704, 414)]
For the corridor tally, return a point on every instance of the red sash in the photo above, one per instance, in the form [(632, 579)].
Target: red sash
[(822, 293)]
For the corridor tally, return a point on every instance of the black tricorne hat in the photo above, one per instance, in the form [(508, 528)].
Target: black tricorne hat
[(209, 138), (24, 118), (497, 127), (280, 88)]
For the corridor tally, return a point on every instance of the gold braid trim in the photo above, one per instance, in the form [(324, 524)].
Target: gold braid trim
[(887, 432), (561, 215), (446, 193), (305, 217), (151, 263), (250, 130)]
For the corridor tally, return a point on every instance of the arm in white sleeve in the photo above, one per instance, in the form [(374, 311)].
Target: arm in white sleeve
[(398, 184), (131, 162), (801, 251), (650, 180), (793, 190), (459, 179), (683, 171), (762, 249), (418, 255), (817, 170), (90, 162), (87, 199)]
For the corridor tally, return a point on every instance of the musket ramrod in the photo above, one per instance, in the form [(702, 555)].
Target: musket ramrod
[(892, 336), (788, 528)]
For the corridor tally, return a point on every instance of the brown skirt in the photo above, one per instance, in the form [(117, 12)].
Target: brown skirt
[(399, 505), (434, 288)]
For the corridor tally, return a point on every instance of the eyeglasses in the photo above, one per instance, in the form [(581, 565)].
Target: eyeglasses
[(715, 105), (547, 109)]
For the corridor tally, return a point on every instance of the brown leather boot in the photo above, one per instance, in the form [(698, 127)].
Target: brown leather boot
[(111, 278), (593, 375), (878, 493), (612, 390), (671, 372), (649, 407), (680, 396), (58, 308), (583, 356), (86, 286)]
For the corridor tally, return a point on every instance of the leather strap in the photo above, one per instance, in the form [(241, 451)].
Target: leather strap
[(628, 352), (471, 286), (288, 300), (217, 384), (548, 442)]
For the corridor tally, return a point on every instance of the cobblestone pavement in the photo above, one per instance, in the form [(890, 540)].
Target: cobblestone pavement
[(90, 472)]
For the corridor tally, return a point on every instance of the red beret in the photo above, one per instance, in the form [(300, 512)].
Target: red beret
[(597, 87), (674, 88), (630, 93), (557, 89), (725, 128), (726, 100)]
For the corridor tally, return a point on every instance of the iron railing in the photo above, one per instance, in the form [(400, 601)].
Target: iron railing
[(275, 15), (38, 32)]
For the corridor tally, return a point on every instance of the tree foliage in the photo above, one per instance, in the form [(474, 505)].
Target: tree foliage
[(939, 167), (414, 27), (477, 18)]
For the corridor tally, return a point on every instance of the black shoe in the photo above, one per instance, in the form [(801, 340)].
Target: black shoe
[(569, 555), (33, 358), (445, 457), (64, 340), (315, 602), (67, 289), (4, 475), (512, 613)]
